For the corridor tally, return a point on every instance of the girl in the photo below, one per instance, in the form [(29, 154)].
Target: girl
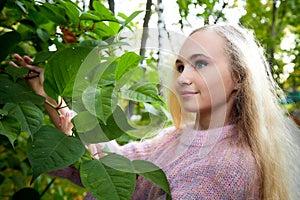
[(241, 144)]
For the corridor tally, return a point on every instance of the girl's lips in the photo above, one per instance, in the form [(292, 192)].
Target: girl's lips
[(186, 94)]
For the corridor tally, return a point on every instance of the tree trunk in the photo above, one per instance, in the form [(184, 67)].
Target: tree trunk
[(130, 107), (91, 5), (111, 4), (145, 28), (161, 25), (271, 48)]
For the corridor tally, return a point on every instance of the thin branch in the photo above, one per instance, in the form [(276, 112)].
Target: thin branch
[(221, 11), (145, 28)]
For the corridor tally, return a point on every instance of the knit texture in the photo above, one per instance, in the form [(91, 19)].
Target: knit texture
[(198, 164)]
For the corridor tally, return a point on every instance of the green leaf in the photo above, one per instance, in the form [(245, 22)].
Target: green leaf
[(142, 92), (51, 149), (15, 93), (89, 132), (104, 30), (96, 135), (107, 183), (53, 13), (104, 13), (61, 71), (43, 35), (89, 16), (85, 121), (73, 11), (118, 162), (3, 113), (126, 62), (8, 41), (144, 168), (105, 75), (101, 102), (42, 56), (10, 127), (15, 72), (116, 124), (21, 6), (133, 75), (130, 18), (28, 114), (152, 173)]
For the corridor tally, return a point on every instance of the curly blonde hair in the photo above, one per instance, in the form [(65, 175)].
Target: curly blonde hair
[(260, 121)]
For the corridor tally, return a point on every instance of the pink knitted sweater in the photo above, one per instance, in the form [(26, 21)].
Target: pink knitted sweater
[(198, 164)]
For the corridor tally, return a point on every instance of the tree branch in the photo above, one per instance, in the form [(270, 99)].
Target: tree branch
[(145, 28)]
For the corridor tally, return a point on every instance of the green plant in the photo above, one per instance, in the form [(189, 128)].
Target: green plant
[(96, 83)]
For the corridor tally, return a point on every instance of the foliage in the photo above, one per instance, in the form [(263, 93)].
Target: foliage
[(207, 10), (272, 21), (83, 69)]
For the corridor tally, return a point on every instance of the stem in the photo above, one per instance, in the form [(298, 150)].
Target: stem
[(52, 106), (47, 187)]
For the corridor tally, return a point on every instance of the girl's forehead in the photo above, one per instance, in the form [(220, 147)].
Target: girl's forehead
[(204, 42)]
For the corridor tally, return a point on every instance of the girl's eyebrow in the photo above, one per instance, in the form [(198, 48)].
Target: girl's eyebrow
[(194, 56)]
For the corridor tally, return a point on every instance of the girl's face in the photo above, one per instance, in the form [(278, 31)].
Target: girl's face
[(204, 81)]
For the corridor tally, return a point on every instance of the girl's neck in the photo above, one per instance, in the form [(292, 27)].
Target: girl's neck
[(210, 120)]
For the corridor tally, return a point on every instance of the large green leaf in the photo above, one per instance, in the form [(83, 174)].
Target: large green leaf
[(51, 149), (85, 75), (154, 174), (107, 183), (10, 127), (16, 93), (105, 74), (96, 135), (54, 13), (101, 13), (92, 133), (116, 124), (142, 92), (89, 16), (100, 101), (15, 72), (133, 75), (144, 168), (104, 13), (8, 42), (72, 11), (62, 69), (28, 114), (125, 63), (84, 121)]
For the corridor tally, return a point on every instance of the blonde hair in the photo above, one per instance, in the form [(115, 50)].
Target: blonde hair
[(260, 121)]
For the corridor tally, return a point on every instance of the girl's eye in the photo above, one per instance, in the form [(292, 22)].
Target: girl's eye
[(200, 64), (180, 68)]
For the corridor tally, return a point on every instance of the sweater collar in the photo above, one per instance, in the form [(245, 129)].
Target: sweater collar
[(202, 138)]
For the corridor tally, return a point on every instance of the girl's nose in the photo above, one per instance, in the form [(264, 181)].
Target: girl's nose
[(184, 77)]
